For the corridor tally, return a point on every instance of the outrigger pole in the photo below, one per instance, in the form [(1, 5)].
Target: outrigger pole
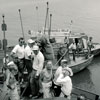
[(21, 23), (47, 12)]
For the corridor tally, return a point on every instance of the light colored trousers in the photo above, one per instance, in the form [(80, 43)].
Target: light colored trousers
[(46, 89)]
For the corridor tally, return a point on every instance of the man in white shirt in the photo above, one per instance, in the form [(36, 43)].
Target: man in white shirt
[(66, 83), (73, 48), (18, 50), (37, 66), (57, 87), (28, 55)]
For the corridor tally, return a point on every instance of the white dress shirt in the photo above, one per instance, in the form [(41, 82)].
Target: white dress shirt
[(38, 62), (19, 51), (28, 52), (72, 46)]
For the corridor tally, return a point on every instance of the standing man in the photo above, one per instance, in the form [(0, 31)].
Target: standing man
[(28, 55), (37, 66), (73, 48), (45, 46), (19, 51), (90, 44), (46, 79)]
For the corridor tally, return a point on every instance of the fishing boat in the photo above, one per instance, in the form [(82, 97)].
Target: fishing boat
[(59, 35), (79, 64)]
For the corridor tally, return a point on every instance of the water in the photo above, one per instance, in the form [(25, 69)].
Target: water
[(88, 78), (84, 13)]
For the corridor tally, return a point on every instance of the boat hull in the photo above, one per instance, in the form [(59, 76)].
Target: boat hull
[(81, 65), (96, 49), (78, 65)]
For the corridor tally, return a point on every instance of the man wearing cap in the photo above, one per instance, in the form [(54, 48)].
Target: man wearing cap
[(37, 66), (59, 71), (66, 83), (11, 81), (28, 53), (11, 78)]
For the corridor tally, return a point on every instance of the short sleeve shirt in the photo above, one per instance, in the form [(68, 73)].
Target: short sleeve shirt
[(19, 51)]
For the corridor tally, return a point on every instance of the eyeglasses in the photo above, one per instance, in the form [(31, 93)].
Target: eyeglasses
[(22, 42)]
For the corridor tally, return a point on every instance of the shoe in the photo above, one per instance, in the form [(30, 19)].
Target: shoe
[(31, 96), (40, 95)]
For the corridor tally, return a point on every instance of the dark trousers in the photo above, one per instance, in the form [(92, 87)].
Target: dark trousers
[(21, 66), (28, 64), (34, 83), (73, 51), (56, 90)]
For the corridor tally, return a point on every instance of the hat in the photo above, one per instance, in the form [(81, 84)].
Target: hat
[(35, 47), (69, 70), (30, 41), (64, 61)]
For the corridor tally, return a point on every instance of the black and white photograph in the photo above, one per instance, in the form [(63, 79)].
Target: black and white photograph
[(49, 49)]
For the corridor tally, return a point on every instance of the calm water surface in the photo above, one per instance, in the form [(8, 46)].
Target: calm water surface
[(89, 78), (84, 13)]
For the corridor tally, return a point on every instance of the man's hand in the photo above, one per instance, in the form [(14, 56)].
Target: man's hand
[(37, 76)]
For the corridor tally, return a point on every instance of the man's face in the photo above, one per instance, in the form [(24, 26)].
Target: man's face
[(21, 42), (63, 64), (35, 52), (49, 65)]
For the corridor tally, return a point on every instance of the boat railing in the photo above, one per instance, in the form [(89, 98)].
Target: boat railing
[(88, 95)]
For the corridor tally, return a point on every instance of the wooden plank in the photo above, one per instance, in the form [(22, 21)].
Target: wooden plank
[(88, 95)]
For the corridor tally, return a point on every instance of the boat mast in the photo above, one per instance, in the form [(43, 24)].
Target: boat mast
[(47, 17), (21, 23)]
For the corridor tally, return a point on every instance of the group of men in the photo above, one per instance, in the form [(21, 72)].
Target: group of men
[(32, 57), (82, 45)]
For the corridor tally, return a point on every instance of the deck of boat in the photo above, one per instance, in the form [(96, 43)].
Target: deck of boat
[(54, 98)]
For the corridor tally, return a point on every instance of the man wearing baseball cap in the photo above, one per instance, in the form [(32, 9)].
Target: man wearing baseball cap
[(37, 66), (64, 66), (28, 53)]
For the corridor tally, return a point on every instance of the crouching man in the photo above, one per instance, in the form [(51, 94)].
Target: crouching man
[(12, 83), (65, 82)]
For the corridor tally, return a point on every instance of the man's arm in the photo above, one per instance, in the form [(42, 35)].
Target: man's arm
[(61, 79), (14, 51)]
